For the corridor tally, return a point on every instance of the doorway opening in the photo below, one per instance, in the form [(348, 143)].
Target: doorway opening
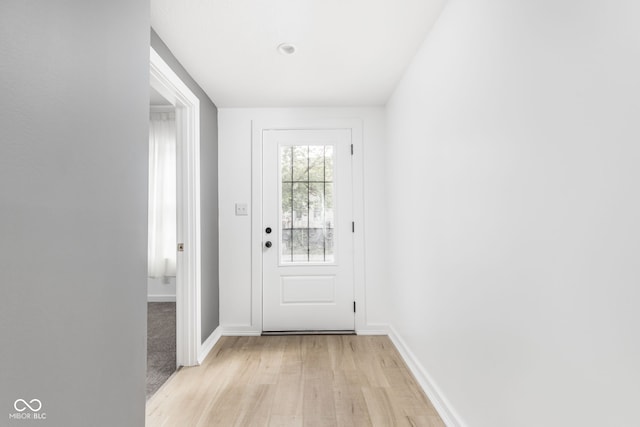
[(177, 267), (341, 133), (307, 208), (162, 243)]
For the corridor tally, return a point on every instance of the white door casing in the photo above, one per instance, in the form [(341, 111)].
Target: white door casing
[(188, 278), (308, 244)]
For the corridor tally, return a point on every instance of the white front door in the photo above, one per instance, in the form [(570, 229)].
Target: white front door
[(307, 231)]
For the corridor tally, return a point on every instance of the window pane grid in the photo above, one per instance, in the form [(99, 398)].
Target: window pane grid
[(307, 203)]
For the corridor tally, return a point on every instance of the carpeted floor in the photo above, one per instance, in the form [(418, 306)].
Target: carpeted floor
[(161, 344)]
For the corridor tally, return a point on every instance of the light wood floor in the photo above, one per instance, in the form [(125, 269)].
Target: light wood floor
[(313, 380)]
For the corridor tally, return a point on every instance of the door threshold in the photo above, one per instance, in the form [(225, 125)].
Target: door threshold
[(279, 333)]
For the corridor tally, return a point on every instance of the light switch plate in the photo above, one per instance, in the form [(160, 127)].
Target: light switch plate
[(241, 209)]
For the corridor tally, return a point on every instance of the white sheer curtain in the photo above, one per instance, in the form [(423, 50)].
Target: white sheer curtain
[(162, 195)]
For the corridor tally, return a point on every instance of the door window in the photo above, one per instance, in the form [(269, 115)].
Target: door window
[(307, 204)]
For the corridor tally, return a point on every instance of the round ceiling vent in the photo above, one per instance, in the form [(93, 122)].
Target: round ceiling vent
[(287, 49)]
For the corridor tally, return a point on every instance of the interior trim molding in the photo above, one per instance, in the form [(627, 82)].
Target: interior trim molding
[(433, 392), (161, 298), (373, 329), (188, 277), (208, 344), (240, 331)]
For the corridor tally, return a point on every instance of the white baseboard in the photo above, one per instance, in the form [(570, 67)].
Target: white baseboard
[(442, 405), (161, 298), (240, 331), (208, 344), (374, 329)]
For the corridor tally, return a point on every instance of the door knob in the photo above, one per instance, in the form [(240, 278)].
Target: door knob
[(268, 244)]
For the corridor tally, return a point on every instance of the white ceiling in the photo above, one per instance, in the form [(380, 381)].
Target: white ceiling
[(349, 52)]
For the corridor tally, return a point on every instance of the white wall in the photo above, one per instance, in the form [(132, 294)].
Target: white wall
[(235, 186), (514, 163), (161, 289)]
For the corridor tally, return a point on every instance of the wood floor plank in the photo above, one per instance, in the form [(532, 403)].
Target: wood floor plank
[(318, 404), (292, 381), (379, 406), (287, 403), (351, 407)]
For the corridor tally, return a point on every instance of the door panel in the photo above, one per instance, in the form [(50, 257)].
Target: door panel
[(308, 241)]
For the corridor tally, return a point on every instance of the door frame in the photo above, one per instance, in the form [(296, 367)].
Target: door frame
[(355, 125), (188, 274)]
